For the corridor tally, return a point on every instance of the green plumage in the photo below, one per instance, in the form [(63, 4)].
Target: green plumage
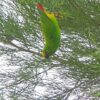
[(51, 33)]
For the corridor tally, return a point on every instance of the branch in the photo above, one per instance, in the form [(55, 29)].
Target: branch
[(23, 49)]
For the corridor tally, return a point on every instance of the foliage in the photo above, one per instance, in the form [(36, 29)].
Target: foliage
[(76, 63)]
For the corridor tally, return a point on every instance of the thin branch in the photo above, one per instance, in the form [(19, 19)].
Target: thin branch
[(23, 49)]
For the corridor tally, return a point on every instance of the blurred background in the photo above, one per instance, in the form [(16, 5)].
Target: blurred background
[(72, 73)]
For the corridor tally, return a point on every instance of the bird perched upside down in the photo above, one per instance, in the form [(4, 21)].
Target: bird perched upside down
[(51, 32)]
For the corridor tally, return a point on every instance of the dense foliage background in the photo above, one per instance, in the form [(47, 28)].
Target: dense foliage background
[(73, 73)]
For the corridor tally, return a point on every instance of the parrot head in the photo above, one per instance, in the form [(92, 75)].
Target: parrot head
[(44, 54)]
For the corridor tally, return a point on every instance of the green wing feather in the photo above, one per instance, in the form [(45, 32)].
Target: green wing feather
[(51, 33)]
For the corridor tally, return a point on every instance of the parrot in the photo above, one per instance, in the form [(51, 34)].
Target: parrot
[(50, 30)]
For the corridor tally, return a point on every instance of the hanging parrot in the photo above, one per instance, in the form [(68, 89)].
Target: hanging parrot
[(50, 31)]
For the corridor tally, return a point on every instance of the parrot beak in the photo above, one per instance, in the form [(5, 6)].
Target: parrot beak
[(43, 54)]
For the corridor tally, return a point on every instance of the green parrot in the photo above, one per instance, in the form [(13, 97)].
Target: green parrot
[(50, 30)]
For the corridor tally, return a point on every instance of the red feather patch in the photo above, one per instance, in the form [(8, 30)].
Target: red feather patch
[(40, 7)]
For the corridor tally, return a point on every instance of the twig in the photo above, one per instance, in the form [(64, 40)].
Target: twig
[(23, 49)]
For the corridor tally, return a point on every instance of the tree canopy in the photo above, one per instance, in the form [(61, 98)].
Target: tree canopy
[(73, 71)]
